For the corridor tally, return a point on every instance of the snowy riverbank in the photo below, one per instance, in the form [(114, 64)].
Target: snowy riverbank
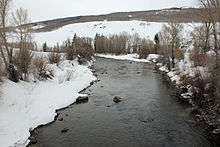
[(130, 57), (26, 105)]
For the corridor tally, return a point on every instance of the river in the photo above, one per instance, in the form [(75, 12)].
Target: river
[(148, 116)]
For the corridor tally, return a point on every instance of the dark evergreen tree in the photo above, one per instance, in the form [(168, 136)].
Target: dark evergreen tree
[(96, 41), (157, 43), (45, 47)]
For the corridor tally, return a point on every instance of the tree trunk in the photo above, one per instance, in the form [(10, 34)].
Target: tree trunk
[(216, 45), (207, 27), (3, 57), (172, 55)]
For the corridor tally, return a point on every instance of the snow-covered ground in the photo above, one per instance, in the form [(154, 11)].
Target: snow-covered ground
[(25, 105)]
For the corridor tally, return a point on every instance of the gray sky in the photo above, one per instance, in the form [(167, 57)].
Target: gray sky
[(49, 9)]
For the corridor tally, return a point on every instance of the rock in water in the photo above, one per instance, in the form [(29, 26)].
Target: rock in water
[(117, 99), (64, 130), (216, 131), (130, 62), (60, 119), (82, 99)]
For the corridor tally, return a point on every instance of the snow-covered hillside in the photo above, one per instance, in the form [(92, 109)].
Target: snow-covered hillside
[(44, 10), (89, 29)]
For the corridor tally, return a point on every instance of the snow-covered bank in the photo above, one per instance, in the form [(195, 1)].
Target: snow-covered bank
[(25, 105), (130, 57)]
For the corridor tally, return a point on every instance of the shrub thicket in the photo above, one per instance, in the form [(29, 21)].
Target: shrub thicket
[(83, 48), (41, 71), (115, 44), (146, 48), (54, 57), (79, 47), (199, 58)]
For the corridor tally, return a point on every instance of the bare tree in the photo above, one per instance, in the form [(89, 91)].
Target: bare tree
[(145, 48), (24, 37), (23, 32), (211, 15), (134, 41), (6, 50), (4, 8), (201, 37), (172, 33)]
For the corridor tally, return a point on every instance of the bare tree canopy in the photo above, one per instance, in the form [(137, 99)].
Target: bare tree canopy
[(4, 9), (19, 18)]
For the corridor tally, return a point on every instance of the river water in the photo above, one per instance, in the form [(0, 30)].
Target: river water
[(148, 116)]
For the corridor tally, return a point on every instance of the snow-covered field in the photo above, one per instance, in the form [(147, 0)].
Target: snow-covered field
[(25, 105), (89, 29)]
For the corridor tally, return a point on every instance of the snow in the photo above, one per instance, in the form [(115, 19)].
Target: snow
[(171, 74), (38, 27), (153, 57), (164, 69), (26, 105), (175, 78), (187, 95), (130, 57)]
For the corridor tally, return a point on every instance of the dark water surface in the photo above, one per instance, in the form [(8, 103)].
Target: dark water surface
[(149, 116)]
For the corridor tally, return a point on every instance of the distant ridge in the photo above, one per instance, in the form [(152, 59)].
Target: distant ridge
[(182, 15)]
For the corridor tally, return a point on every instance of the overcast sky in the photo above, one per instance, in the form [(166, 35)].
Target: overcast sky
[(49, 9)]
